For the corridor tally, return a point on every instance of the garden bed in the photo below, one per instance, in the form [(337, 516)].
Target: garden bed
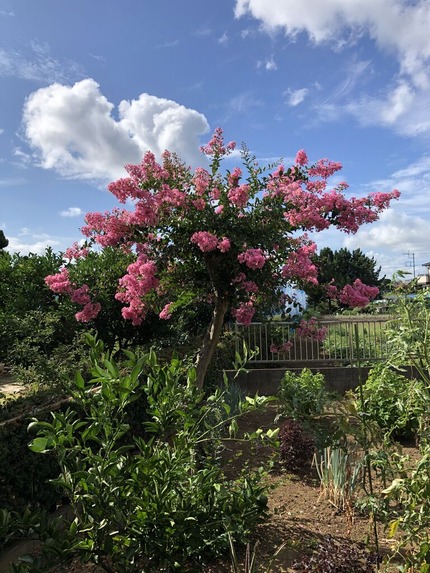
[(299, 516)]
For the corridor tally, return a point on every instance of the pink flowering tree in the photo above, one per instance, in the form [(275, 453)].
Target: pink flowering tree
[(233, 239)]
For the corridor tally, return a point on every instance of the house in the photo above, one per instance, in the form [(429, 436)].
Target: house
[(424, 280)]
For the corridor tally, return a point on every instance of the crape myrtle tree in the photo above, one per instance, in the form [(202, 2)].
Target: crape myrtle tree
[(234, 239)]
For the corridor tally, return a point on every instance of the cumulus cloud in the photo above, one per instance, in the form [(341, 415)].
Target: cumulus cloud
[(37, 247), (72, 130), (71, 212), (398, 28)]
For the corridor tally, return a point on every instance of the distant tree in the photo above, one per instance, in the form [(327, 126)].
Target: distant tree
[(339, 269), (3, 241)]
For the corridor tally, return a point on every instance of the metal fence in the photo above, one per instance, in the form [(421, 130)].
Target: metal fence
[(281, 342)]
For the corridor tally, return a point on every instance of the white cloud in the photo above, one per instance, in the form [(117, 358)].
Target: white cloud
[(223, 40), (71, 212), (71, 129), (35, 63), (36, 247), (295, 97), (269, 64), (397, 27)]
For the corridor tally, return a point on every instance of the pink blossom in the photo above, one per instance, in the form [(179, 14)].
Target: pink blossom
[(299, 264), (165, 314), (310, 329), (250, 286), (301, 157), (244, 313), (238, 196), (219, 209), (253, 258), (81, 295), (205, 241), (139, 281), (60, 282), (357, 294), (234, 176), (201, 180), (216, 147), (199, 204), (273, 349), (89, 312), (224, 245), (76, 252)]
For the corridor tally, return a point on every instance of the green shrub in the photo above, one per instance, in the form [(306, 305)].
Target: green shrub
[(302, 395), (389, 400), (158, 501)]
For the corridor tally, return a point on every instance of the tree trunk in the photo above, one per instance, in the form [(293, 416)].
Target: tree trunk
[(210, 340)]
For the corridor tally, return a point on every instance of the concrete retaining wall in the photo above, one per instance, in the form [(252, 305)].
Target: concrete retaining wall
[(266, 381)]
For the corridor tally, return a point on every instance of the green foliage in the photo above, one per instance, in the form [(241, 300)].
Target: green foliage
[(412, 522), (389, 399), (340, 268), (23, 475), (372, 341), (159, 501), (302, 395), (3, 241), (339, 472)]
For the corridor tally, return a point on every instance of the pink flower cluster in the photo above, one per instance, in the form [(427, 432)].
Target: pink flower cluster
[(248, 286), (310, 329), (138, 282), (284, 347), (208, 242), (165, 314), (216, 147), (76, 252), (252, 258), (244, 312), (299, 264), (357, 295), (238, 196), (60, 283)]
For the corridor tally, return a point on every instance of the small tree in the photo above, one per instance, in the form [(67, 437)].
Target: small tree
[(214, 237)]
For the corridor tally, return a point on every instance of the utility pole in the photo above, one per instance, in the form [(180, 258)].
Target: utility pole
[(411, 263)]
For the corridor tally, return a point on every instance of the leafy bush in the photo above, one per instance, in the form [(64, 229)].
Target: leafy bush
[(296, 445), (157, 500), (302, 395), (389, 400)]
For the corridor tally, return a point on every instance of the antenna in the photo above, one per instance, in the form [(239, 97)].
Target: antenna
[(411, 263)]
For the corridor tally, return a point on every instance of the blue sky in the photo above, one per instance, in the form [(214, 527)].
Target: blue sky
[(87, 87)]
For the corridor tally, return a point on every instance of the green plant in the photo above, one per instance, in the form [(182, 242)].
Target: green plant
[(339, 474), (301, 395), (296, 446), (155, 502), (389, 399), (411, 495)]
